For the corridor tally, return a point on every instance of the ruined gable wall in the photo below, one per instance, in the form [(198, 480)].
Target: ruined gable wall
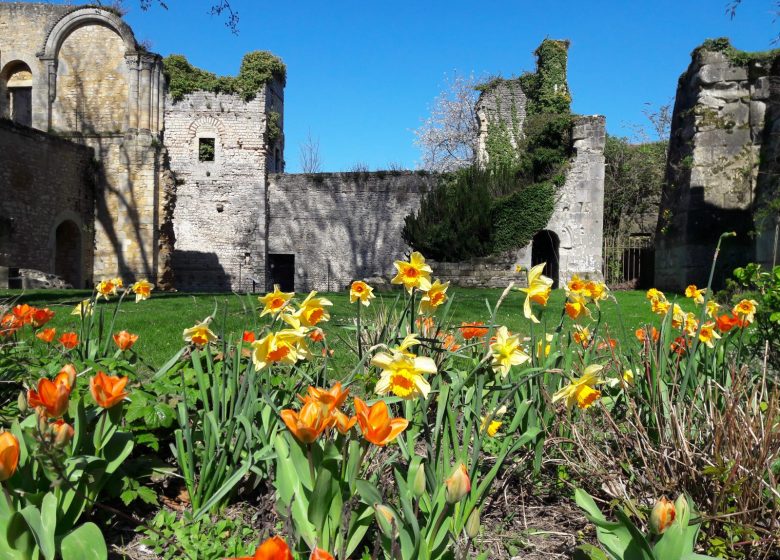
[(718, 129), (45, 181), (501, 105), (341, 226), (219, 218)]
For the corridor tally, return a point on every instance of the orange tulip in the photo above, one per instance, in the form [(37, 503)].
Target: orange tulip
[(331, 399), (376, 424), (272, 549), (319, 554), (343, 422), (249, 336), (9, 324), (662, 516), (40, 317), (9, 455), (108, 390), (46, 335), (69, 340), (51, 398), (473, 330), (317, 335), (23, 313), (308, 423), (125, 340), (727, 322)]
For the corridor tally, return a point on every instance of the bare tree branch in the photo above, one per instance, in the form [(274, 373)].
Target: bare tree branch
[(309, 156)]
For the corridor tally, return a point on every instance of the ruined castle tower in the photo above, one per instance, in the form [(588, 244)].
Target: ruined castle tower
[(722, 169)]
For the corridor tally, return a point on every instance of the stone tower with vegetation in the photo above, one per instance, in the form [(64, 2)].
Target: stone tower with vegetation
[(722, 170)]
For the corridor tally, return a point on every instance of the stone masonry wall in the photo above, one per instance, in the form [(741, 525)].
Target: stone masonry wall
[(503, 104), (44, 181), (220, 216), (715, 161), (341, 226)]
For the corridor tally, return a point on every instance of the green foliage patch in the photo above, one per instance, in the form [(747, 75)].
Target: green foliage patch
[(738, 57), (257, 69), (518, 216)]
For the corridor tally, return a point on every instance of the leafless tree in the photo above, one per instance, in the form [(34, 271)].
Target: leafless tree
[(217, 8), (659, 126), (310, 155), (448, 137)]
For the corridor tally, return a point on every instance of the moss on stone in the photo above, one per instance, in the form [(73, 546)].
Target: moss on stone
[(257, 69)]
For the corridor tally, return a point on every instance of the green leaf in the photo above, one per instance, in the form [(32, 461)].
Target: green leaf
[(19, 541), (86, 542), (33, 518)]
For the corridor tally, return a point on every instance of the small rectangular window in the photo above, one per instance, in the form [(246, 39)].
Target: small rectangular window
[(206, 149)]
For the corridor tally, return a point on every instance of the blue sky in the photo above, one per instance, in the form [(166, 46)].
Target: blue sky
[(363, 74)]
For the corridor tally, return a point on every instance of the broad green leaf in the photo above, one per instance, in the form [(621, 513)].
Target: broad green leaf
[(86, 542)]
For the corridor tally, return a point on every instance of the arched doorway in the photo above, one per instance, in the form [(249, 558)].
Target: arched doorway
[(67, 255), (16, 84), (545, 249)]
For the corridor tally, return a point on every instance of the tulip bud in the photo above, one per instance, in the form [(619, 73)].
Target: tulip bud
[(22, 402), (662, 516), (43, 425), (386, 520), (682, 509), (472, 524), (418, 482), (64, 435), (71, 371), (458, 484)]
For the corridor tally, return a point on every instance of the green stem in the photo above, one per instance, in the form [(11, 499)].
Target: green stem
[(440, 520), (311, 462), (359, 337)]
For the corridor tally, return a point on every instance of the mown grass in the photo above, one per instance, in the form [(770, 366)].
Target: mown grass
[(160, 320)]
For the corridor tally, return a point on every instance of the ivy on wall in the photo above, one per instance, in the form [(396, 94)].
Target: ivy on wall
[(257, 69), (273, 128), (488, 209)]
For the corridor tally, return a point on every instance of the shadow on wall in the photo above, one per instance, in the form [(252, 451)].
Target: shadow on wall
[(198, 271), (121, 186)]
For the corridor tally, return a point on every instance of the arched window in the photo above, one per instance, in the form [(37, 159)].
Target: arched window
[(16, 82), (67, 255), (545, 248)]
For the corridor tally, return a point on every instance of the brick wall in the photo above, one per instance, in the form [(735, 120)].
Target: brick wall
[(45, 181), (219, 218)]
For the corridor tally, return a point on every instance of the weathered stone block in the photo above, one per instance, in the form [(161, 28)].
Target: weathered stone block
[(722, 72)]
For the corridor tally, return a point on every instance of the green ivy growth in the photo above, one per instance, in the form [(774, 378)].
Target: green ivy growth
[(478, 211), (274, 130), (257, 69), (736, 56)]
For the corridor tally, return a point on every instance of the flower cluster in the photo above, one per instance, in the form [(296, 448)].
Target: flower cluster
[(580, 292), (22, 315)]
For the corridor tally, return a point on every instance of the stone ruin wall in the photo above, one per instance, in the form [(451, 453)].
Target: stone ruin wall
[(722, 153), (45, 181), (220, 215), (92, 85), (341, 226)]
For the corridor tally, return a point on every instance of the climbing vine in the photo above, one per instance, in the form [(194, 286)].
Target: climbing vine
[(274, 130), (257, 69)]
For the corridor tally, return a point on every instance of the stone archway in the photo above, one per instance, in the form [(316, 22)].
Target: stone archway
[(68, 261), (16, 82), (545, 248)]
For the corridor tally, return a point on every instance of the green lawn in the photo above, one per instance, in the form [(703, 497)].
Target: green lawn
[(160, 320)]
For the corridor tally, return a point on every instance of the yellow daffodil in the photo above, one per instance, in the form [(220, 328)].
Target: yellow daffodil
[(312, 310), (433, 298), (576, 307), (142, 290), (284, 347), (408, 341), (200, 334), (118, 283), (538, 290), (746, 310), (691, 324), (696, 294), (274, 302), (660, 306), (581, 392), (581, 335), (678, 316), (106, 288), (83, 309), (712, 308), (708, 335), (548, 338), (413, 274), (403, 374), (598, 291), (518, 268), (507, 352), (359, 290), (652, 294), (491, 429)]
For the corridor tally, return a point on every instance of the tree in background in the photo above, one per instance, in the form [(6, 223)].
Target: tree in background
[(448, 137), (216, 8), (309, 156)]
